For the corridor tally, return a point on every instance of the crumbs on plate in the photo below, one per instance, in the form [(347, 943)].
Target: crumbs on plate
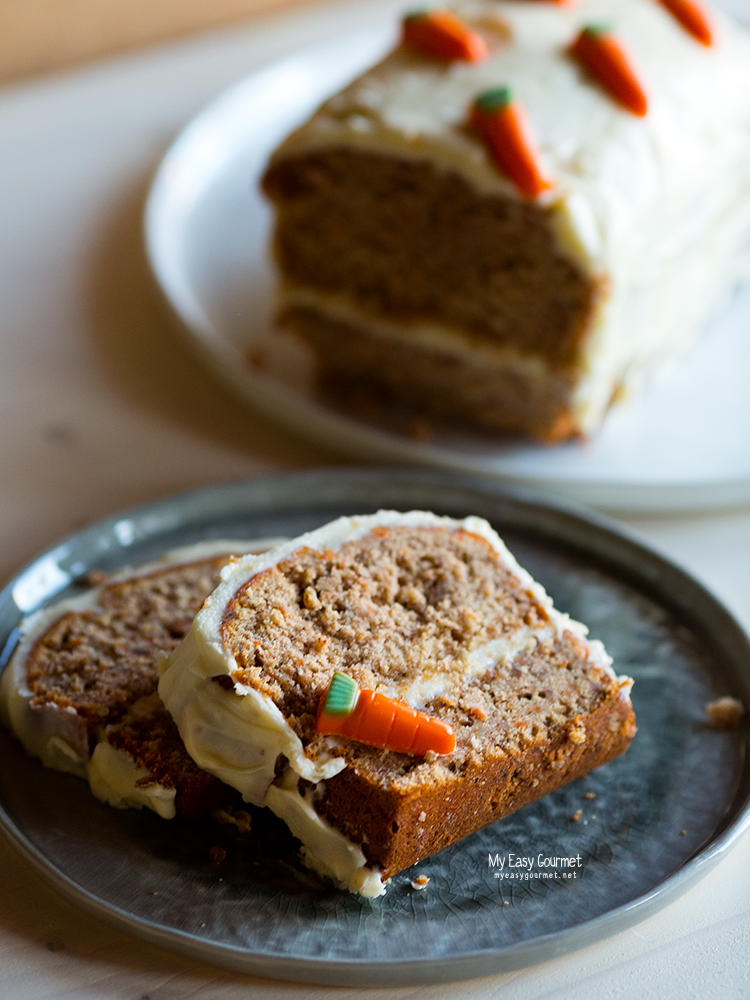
[(724, 713)]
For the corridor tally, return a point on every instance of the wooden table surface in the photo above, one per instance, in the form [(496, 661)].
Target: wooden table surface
[(37, 36), (103, 407)]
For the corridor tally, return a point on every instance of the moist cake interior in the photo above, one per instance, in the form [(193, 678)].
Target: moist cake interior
[(410, 244), (403, 610), (99, 661)]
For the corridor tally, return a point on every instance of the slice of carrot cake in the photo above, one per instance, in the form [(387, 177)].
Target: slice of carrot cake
[(80, 690), (388, 684)]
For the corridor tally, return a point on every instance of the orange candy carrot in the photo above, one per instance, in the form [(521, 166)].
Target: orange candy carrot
[(693, 17), (606, 59), (506, 131), (372, 718), (441, 34)]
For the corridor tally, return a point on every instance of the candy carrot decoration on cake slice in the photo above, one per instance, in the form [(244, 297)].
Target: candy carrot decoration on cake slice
[(598, 51), (441, 34), (693, 17), (503, 125), (372, 718)]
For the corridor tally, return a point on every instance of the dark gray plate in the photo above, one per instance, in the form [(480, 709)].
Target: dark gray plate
[(662, 815)]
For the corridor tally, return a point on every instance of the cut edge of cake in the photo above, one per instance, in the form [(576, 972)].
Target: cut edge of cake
[(608, 166)]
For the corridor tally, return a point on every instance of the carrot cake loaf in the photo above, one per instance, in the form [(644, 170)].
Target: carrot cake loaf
[(80, 690), (387, 685), (520, 210)]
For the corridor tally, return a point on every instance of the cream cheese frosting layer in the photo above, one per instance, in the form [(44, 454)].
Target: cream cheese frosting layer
[(608, 165), (325, 849), (58, 736), (659, 206), (237, 733), (115, 778)]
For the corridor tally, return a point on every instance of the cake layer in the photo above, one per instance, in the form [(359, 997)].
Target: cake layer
[(437, 376), (390, 202), (430, 611), (411, 242)]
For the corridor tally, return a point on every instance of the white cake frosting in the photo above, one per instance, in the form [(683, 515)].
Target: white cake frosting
[(58, 736), (237, 733), (658, 206), (115, 778)]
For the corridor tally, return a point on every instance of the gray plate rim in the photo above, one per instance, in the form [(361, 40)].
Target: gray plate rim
[(604, 539)]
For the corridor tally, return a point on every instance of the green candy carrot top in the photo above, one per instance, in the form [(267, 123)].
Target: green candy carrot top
[(442, 35), (341, 696), (372, 718), (503, 125), (605, 58)]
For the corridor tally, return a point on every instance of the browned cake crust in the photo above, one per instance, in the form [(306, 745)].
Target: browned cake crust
[(404, 241), (399, 825), (386, 609)]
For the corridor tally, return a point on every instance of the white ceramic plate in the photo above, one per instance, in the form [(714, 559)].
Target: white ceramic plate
[(684, 444)]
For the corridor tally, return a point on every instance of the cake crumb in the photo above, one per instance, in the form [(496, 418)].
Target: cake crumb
[(420, 882), (217, 854), (724, 713), (576, 817), (683, 833), (577, 731), (234, 817), (311, 599), (590, 795)]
